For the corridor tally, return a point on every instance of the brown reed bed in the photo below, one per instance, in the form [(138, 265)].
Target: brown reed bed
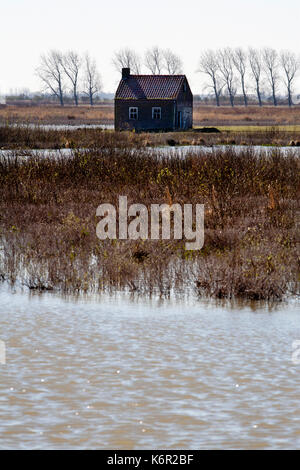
[(104, 114), (53, 114), (250, 115), (251, 250), (28, 137)]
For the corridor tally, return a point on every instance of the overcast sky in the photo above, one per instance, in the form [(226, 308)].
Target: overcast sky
[(31, 27)]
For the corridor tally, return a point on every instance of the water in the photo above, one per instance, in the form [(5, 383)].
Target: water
[(259, 149), (121, 373), (62, 127)]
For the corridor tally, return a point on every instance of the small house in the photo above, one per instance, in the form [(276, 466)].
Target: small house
[(153, 102)]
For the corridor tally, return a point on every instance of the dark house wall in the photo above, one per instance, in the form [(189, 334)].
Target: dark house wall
[(176, 113), (184, 105), (145, 121)]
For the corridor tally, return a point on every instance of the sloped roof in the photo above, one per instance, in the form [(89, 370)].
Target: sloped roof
[(150, 87)]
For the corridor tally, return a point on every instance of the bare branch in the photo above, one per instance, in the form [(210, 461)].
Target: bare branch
[(255, 61), (290, 65), (154, 60), (270, 62), (127, 58), (239, 58), (172, 62), (225, 57), (71, 64), (92, 79), (50, 71), (208, 65)]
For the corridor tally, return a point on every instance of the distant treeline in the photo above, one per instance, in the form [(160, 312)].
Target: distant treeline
[(25, 98), (230, 71), (69, 72), (232, 76), (28, 98)]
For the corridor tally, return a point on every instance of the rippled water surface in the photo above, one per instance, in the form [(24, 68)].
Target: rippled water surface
[(112, 372)]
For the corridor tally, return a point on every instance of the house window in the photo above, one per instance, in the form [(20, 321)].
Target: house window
[(156, 113), (133, 113), (184, 87)]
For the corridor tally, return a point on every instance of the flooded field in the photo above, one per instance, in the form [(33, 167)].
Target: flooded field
[(124, 373), (62, 127)]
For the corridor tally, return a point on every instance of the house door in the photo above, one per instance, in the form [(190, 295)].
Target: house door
[(179, 119)]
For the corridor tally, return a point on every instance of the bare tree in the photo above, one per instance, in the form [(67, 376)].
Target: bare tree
[(255, 61), (92, 79), (172, 62), (50, 71), (270, 60), (226, 68), (208, 64), (127, 58), (290, 65), (239, 58), (71, 63), (154, 60)]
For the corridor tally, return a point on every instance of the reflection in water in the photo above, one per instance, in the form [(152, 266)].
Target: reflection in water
[(110, 372), (61, 127), (180, 150)]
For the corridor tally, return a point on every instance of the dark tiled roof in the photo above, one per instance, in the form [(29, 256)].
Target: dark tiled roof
[(150, 87)]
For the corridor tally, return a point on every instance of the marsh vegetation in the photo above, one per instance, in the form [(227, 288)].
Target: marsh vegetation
[(31, 137), (203, 114), (48, 219)]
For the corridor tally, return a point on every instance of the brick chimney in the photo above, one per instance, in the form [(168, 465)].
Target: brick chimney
[(125, 73)]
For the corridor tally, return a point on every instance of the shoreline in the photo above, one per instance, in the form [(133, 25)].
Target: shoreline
[(184, 298)]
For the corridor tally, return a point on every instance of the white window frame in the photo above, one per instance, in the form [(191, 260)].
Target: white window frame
[(156, 109), (133, 110)]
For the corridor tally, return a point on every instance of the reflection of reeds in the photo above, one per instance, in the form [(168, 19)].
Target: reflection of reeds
[(48, 222)]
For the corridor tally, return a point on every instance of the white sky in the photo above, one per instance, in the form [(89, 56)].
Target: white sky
[(29, 28)]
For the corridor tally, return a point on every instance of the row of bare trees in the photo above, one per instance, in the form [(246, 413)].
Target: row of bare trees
[(232, 69), (228, 70), (61, 72), (155, 60)]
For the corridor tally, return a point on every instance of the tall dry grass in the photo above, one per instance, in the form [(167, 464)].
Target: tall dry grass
[(250, 115), (26, 137), (104, 114)]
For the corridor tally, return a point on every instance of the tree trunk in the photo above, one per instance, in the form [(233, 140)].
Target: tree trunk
[(61, 98), (274, 96), (216, 91), (75, 97), (258, 94), (217, 98), (290, 96), (244, 94)]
